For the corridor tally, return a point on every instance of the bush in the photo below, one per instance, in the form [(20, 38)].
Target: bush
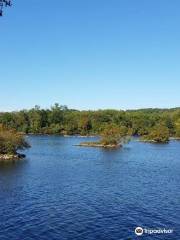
[(159, 133), (113, 135), (11, 141), (177, 129)]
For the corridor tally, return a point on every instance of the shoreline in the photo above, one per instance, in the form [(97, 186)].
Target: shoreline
[(84, 136), (153, 141), (11, 157), (91, 144), (174, 138), (61, 135)]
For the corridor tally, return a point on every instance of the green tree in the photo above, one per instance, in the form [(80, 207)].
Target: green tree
[(21, 121), (177, 128), (159, 134), (11, 141), (84, 124), (113, 135), (56, 114), (35, 120), (61, 120)]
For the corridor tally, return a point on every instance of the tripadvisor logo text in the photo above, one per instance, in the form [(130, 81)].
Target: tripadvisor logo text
[(139, 231)]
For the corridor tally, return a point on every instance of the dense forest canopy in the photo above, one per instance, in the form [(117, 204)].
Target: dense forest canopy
[(61, 120)]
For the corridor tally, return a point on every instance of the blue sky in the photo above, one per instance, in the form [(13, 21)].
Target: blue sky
[(90, 54)]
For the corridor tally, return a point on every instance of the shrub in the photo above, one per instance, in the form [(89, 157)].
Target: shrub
[(113, 135), (11, 141), (159, 133)]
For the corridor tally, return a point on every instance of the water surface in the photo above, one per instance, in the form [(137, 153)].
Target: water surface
[(61, 191)]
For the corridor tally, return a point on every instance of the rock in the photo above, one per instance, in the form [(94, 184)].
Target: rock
[(7, 157), (94, 144)]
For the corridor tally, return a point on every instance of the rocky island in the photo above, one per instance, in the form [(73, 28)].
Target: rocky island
[(10, 142), (111, 137)]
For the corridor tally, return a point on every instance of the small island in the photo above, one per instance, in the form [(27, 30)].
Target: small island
[(112, 136), (10, 142), (158, 134)]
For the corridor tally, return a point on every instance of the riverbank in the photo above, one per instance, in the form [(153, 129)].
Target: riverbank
[(62, 135), (88, 136), (174, 138), (151, 141), (10, 157), (96, 144)]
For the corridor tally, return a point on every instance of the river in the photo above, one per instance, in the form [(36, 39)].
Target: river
[(61, 191)]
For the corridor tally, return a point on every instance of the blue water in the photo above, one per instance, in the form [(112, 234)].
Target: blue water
[(61, 191)]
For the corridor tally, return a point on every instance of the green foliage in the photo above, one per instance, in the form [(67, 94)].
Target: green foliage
[(159, 133), (84, 124), (61, 120), (113, 135), (11, 141), (177, 128)]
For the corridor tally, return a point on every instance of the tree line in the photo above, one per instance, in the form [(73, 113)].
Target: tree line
[(59, 119)]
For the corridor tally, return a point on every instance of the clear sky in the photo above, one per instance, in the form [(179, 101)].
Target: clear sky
[(90, 54)]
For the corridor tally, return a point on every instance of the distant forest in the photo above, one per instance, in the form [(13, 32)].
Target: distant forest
[(61, 120)]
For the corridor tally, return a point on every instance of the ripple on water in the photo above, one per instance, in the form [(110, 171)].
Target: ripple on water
[(65, 192)]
